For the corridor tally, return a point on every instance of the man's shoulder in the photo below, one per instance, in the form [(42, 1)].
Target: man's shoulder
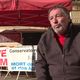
[(76, 26), (47, 33), (76, 29), (46, 36)]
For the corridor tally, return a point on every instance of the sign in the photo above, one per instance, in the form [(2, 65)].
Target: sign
[(21, 59), (3, 57)]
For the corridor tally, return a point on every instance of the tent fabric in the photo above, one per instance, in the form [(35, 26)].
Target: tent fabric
[(28, 12), (10, 37)]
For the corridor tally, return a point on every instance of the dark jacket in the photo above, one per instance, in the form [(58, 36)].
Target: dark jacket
[(54, 63)]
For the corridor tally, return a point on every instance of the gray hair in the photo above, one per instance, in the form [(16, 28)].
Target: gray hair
[(62, 8)]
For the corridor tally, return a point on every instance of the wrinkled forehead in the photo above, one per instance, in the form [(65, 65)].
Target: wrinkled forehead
[(56, 11), (60, 11)]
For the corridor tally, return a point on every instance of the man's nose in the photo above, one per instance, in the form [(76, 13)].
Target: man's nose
[(55, 20)]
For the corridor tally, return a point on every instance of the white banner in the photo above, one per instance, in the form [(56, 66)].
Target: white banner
[(21, 59)]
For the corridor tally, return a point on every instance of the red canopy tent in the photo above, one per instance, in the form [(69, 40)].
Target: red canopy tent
[(28, 12)]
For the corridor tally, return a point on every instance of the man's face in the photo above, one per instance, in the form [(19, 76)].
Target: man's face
[(59, 21)]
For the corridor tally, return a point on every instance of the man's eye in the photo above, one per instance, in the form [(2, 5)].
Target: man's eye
[(59, 15), (50, 18)]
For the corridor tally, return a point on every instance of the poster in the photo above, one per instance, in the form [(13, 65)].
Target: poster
[(21, 59)]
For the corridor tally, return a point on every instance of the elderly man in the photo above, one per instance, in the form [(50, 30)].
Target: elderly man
[(58, 52)]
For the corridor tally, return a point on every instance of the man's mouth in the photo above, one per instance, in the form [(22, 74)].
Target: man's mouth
[(57, 26)]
